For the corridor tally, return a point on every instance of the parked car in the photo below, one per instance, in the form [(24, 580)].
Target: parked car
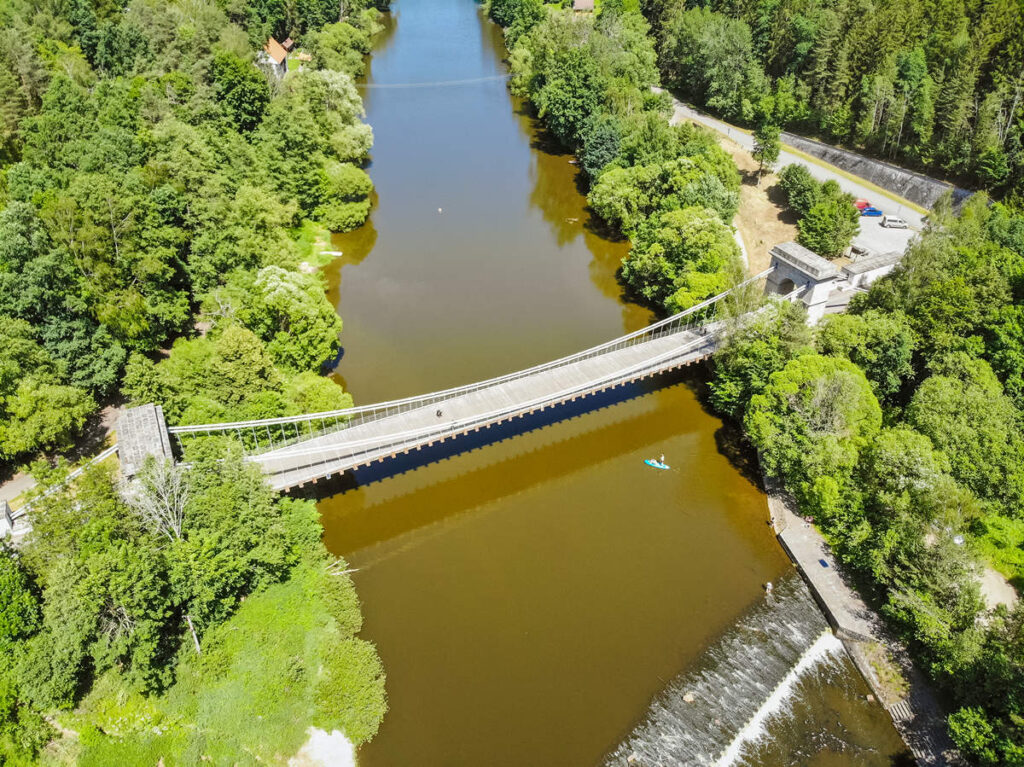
[(894, 222), (871, 210), (861, 204), (857, 252)]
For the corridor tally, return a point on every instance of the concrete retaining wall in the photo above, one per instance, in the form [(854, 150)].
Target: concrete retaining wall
[(917, 188)]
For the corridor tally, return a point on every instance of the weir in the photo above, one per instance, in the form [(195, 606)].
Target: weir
[(711, 713)]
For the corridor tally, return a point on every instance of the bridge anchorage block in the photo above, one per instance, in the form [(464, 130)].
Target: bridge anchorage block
[(794, 265)]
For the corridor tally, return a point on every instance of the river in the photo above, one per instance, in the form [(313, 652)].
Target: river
[(531, 597)]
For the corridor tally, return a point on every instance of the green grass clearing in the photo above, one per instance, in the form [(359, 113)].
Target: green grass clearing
[(1001, 541), (312, 240)]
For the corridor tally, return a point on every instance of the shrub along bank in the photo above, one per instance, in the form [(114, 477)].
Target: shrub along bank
[(898, 427), (671, 189)]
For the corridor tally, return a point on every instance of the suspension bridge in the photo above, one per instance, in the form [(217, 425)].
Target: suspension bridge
[(300, 449), (297, 450)]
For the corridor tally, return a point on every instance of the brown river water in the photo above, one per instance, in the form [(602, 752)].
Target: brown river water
[(532, 594)]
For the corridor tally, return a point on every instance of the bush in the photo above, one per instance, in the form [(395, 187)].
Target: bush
[(829, 226), (350, 694), (344, 216), (344, 182), (801, 189)]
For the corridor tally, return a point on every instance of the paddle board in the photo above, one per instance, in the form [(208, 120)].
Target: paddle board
[(656, 464)]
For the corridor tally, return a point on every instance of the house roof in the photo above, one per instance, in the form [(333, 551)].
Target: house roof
[(583, 5), (288, 44), (275, 51)]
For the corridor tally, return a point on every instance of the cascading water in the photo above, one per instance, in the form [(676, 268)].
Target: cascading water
[(718, 710)]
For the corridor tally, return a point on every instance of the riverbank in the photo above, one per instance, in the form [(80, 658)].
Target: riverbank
[(899, 687)]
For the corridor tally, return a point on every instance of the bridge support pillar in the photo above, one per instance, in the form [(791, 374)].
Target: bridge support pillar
[(142, 432), (795, 266)]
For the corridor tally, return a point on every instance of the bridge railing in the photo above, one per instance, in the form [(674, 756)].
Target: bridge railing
[(268, 434), (357, 450)]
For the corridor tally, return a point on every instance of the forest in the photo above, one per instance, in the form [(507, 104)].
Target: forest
[(158, 188), (162, 195), (937, 86), (897, 427)]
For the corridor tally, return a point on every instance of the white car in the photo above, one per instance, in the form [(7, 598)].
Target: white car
[(894, 222)]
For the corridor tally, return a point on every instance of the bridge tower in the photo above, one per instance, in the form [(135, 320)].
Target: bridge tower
[(142, 432), (795, 266)]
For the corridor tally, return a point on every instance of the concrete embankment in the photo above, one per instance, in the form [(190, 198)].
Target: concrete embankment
[(905, 693), (916, 187)]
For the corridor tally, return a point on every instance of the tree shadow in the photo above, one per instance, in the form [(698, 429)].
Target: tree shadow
[(730, 439), (777, 197), (93, 438), (749, 177)]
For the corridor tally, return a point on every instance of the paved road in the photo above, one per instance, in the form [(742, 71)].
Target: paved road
[(873, 235), (15, 486)]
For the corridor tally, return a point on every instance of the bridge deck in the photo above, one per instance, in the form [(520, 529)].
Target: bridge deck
[(362, 444)]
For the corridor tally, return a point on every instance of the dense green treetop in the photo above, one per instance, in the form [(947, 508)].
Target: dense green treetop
[(938, 85), (147, 163)]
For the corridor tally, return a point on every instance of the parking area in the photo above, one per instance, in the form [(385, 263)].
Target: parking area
[(879, 239), (873, 236)]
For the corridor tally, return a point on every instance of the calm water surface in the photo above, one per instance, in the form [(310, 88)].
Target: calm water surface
[(531, 596)]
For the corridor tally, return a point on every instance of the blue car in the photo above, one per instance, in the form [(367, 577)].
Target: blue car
[(871, 210)]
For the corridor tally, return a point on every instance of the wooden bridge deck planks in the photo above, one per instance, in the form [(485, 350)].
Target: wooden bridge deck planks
[(286, 469)]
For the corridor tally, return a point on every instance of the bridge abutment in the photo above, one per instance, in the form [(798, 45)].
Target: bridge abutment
[(142, 432), (794, 266)]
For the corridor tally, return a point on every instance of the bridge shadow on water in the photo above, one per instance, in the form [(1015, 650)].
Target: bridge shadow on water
[(728, 437), (454, 446)]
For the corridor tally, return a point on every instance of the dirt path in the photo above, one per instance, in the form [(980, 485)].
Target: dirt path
[(996, 590), (95, 437), (763, 220)]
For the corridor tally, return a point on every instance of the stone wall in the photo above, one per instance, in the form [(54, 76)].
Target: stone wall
[(917, 188)]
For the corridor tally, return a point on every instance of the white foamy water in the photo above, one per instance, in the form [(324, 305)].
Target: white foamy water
[(712, 713), (826, 646)]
